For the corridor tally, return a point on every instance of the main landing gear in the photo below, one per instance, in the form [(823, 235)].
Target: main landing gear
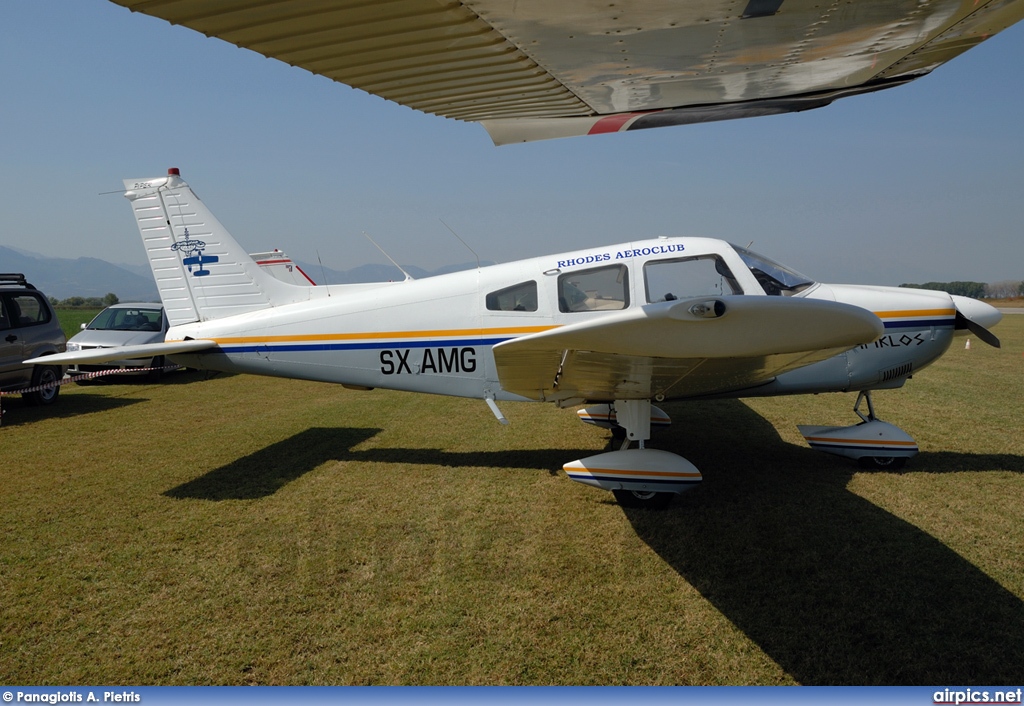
[(872, 442), (638, 477)]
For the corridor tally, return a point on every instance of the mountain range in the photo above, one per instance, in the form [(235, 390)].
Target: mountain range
[(62, 278)]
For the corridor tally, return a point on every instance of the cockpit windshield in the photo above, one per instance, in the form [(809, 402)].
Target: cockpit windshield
[(774, 278)]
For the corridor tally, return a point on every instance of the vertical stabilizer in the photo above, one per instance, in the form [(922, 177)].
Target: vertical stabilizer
[(200, 271)]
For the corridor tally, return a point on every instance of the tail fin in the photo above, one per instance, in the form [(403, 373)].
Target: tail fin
[(200, 271)]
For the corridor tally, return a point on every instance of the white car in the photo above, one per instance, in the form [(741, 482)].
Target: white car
[(122, 325)]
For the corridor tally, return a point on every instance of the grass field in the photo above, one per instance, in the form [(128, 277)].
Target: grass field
[(243, 530)]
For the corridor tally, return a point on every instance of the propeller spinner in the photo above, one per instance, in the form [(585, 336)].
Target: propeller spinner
[(977, 317)]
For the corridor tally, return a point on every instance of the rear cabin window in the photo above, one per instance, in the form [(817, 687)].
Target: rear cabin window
[(518, 297), (685, 278), (25, 310), (599, 289)]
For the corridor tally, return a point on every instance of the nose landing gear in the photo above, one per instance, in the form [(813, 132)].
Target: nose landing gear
[(872, 442)]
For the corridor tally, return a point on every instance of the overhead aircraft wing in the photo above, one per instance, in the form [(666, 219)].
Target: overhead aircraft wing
[(104, 355), (537, 69), (681, 348)]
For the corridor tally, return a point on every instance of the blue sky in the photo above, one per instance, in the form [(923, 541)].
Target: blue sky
[(919, 183)]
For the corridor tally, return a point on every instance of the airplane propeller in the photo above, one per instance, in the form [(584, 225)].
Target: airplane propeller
[(975, 316)]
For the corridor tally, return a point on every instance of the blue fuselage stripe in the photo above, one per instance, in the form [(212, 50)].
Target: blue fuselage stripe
[(370, 345), (939, 323)]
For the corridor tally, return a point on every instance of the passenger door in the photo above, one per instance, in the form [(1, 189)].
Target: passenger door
[(12, 348)]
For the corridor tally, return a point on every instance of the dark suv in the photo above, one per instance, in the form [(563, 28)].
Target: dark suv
[(28, 328)]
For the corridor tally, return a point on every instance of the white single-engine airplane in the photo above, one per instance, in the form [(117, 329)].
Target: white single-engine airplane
[(613, 327)]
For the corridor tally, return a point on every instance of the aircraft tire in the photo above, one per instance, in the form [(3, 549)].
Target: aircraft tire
[(882, 463), (640, 499), (44, 375)]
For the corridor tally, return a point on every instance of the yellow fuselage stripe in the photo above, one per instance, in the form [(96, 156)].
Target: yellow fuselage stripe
[(375, 335), (914, 313)]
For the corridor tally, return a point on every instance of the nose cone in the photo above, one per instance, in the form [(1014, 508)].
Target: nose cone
[(977, 311)]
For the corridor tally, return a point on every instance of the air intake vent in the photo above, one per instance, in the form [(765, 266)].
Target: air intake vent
[(899, 371)]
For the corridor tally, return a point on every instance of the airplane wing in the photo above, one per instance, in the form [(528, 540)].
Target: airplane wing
[(680, 349), (103, 355), (538, 69)]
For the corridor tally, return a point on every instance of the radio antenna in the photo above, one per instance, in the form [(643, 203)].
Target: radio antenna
[(408, 277), (463, 242), (323, 272)]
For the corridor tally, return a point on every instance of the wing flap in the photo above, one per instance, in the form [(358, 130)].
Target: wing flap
[(668, 349), (104, 355)]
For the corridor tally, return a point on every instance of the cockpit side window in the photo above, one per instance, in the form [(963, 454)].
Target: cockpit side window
[(775, 279), (518, 297), (598, 289), (684, 278)]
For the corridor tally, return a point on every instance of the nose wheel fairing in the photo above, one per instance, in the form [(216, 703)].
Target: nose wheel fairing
[(872, 442)]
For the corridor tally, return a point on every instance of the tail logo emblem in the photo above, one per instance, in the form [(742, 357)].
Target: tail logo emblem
[(193, 251)]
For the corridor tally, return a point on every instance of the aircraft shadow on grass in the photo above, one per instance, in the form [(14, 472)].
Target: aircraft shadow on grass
[(833, 588), (262, 473)]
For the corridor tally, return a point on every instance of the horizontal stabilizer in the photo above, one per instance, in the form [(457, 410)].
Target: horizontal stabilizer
[(104, 355)]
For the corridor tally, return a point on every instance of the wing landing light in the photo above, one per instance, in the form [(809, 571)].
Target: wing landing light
[(534, 69)]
